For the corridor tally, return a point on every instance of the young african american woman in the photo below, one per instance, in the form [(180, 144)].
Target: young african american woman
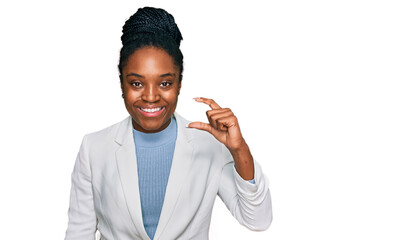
[(155, 175)]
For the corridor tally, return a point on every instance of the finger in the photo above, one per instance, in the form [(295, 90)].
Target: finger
[(208, 128), (225, 123), (217, 116), (212, 104), (213, 115), (218, 111), (201, 126), (222, 127)]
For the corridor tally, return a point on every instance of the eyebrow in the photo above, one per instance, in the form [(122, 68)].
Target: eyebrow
[(135, 75), (162, 75), (168, 75)]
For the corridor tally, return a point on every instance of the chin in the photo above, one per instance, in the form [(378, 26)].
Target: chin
[(149, 125)]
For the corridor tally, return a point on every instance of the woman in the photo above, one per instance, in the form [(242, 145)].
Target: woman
[(155, 175)]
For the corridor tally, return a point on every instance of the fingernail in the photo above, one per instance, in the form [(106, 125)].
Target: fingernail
[(196, 98), (187, 125)]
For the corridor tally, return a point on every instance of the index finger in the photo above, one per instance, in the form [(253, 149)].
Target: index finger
[(212, 104)]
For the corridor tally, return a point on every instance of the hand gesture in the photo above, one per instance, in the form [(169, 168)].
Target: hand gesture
[(223, 125)]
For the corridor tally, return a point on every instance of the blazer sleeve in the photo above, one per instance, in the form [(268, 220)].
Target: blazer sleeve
[(249, 203), (82, 223)]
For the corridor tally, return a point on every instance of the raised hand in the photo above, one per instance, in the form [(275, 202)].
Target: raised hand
[(223, 125)]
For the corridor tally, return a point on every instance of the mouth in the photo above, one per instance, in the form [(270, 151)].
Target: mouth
[(151, 112)]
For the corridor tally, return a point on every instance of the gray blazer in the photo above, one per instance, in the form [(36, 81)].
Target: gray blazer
[(105, 194)]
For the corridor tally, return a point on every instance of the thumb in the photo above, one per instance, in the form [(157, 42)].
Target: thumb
[(201, 126)]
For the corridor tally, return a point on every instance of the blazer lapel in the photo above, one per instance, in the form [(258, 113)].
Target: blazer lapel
[(181, 164), (127, 169)]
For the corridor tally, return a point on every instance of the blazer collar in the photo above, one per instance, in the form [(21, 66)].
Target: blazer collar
[(127, 169)]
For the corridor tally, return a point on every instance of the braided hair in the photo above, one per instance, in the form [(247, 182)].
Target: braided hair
[(151, 27)]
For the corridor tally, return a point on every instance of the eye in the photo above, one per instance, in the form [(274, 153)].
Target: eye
[(166, 84), (136, 84)]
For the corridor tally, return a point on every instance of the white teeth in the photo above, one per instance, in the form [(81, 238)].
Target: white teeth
[(150, 109)]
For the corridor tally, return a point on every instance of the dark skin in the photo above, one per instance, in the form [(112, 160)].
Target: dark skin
[(150, 80), (151, 86)]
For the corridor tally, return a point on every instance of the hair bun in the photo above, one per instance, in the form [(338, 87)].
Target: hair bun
[(150, 20)]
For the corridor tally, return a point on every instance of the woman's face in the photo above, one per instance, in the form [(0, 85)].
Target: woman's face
[(150, 83)]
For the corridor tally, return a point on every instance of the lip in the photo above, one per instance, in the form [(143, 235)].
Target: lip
[(151, 114)]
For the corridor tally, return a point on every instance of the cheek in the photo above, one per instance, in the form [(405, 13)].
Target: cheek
[(131, 92), (130, 97), (172, 96)]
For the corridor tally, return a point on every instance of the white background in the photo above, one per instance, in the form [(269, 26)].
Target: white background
[(324, 91)]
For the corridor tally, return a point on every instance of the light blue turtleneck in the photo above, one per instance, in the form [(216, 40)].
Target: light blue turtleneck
[(154, 153)]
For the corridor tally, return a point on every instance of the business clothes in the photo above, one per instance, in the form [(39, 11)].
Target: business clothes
[(105, 189)]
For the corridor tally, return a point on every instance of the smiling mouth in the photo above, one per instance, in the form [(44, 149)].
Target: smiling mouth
[(151, 110)]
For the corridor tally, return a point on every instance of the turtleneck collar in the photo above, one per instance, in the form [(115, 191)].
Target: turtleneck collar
[(157, 139)]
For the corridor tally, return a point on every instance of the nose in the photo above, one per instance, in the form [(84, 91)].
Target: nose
[(151, 94)]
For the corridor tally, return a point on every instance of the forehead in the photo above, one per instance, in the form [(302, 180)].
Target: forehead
[(150, 61)]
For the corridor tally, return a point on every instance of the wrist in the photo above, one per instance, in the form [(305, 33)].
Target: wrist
[(241, 150), (244, 163)]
